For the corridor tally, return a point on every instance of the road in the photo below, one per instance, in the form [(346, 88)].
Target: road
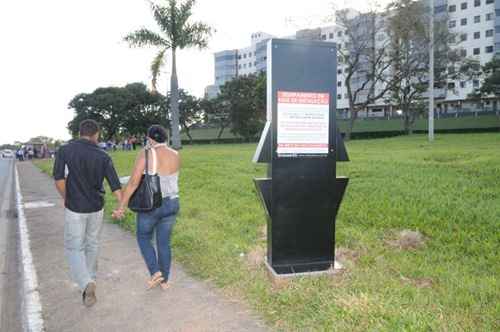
[(10, 288)]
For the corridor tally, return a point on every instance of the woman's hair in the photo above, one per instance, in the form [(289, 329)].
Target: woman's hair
[(157, 133)]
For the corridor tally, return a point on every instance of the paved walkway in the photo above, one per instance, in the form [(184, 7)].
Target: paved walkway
[(123, 303)]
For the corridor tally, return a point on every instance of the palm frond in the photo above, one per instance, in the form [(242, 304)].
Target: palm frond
[(156, 65), (145, 37), (195, 34)]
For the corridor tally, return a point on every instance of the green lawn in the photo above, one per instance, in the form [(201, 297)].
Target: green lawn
[(449, 191), (375, 125)]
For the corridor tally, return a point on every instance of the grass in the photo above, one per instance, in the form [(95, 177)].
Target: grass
[(375, 125), (449, 191)]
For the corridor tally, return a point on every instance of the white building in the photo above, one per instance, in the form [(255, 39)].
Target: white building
[(476, 23)]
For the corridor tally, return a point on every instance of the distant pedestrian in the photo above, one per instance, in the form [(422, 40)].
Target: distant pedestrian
[(82, 190), (20, 154)]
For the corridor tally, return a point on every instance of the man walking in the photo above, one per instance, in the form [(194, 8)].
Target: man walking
[(79, 171)]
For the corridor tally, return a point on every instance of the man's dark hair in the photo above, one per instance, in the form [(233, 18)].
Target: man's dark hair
[(88, 128), (158, 133)]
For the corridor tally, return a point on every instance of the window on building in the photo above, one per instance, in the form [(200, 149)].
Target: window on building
[(239, 57), (463, 37), (489, 16), (488, 49), (339, 96), (255, 63), (477, 3), (476, 51), (477, 35), (239, 66), (452, 8), (452, 24), (451, 70), (244, 56), (339, 34), (451, 85), (463, 21), (463, 5), (475, 83), (323, 37), (339, 46), (477, 19), (489, 33), (339, 71), (339, 83), (453, 39), (330, 35), (462, 84), (489, 1), (249, 65)]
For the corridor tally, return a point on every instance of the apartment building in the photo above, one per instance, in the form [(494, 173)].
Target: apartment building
[(475, 22)]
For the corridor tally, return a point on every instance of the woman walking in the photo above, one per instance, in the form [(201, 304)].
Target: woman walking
[(166, 164)]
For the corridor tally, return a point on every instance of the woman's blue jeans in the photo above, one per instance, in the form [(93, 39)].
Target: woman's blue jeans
[(161, 221)]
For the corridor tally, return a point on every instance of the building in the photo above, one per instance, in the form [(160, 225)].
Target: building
[(476, 24), (232, 63)]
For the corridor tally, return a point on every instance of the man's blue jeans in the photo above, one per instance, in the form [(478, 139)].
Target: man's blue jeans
[(81, 244), (161, 221)]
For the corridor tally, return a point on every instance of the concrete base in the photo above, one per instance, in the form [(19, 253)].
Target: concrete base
[(281, 279)]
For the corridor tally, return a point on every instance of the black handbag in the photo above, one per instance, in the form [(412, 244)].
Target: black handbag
[(147, 196)]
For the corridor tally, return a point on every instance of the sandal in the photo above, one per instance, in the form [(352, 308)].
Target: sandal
[(156, 279), (165, 285)]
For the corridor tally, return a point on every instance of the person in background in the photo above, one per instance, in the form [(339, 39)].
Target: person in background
[(83, 193), (166, 163)]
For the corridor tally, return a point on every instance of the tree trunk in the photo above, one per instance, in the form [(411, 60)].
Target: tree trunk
[(221, 130), (174, 104), (352, 118)]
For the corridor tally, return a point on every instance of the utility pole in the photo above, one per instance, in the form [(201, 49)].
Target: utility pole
[(431, 74)]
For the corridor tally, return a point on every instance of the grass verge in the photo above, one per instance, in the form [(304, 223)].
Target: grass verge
[(448, 191)]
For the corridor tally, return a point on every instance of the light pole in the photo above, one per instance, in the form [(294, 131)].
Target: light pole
[(431, 74)]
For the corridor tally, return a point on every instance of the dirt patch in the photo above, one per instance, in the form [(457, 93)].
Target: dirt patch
[(255, 257), (407, 240), (263, 233), (418, 282), (346, 256)]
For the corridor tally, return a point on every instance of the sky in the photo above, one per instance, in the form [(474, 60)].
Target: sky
[(55, 49)]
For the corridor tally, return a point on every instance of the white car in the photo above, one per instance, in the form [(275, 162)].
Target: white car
[(7, 154)]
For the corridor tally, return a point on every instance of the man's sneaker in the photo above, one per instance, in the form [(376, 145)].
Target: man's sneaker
[(89, 298)]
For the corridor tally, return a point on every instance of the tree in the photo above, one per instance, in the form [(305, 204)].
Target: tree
[(364, 59), (245, 97), (409, 35), (217, 112), (128, 110), (176, 33), (190, 112), (144, 109)]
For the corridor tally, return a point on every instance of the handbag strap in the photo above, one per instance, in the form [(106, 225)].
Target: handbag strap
[(146, 170), (154, 161)]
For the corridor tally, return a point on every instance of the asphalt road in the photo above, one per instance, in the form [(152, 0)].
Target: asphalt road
[(10, 288)]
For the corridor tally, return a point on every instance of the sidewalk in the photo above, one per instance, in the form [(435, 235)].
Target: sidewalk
[(123, 303)]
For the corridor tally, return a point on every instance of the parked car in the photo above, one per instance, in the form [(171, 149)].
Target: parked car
[(7, 154)]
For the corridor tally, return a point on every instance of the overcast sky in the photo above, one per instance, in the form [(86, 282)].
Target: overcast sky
[(54, 49)]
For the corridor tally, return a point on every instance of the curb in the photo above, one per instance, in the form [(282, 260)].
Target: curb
[(31, 305)]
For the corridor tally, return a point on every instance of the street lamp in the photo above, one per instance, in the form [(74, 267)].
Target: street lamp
[(431, 74)]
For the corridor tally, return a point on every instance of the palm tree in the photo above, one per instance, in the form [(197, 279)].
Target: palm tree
[(176, 33)]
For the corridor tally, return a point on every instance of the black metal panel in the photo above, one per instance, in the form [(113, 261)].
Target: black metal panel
[(263, 152), (303, 195)]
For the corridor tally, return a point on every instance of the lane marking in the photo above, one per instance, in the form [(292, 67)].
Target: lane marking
[(32, 307), (38, 204)]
